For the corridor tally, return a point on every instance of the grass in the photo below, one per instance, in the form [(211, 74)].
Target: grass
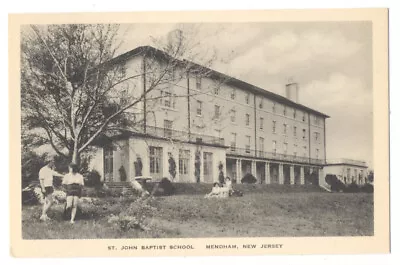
[(263, 211)]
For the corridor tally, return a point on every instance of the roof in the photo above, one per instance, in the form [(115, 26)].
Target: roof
[(144, 50), (346, 162)]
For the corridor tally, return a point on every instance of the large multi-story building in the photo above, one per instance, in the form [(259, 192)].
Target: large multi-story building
[(210, 119)]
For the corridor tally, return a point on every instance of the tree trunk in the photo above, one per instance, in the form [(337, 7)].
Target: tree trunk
[(75, 155)]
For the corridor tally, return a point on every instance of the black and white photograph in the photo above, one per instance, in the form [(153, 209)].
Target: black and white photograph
[(197, 130)]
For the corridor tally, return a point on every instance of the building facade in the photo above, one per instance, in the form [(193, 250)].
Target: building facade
[(212, 123), (348, 171)]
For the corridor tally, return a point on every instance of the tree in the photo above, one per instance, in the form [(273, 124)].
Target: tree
[(73, 90), (370, 176)]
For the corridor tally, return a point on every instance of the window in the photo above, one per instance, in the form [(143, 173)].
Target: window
[(295, 150), (317, 153), (261, 147), (108, 163), (304, 116), (233, 93), (248, 139), (273, 107), (216, 90), (284, 128), (207, 166), (167, 99), (173, 99), (233, 141), (294, 131), (261, 103), (161, 97), (233, 115), (167, 128), (285, 145), (261, 123), (247, 98), (305, 151), (184, 156), (124, 96), (294, 113), (316, 136), (274, 126), (198, 82), (172, 73), (216, 111), (199, 107), (316, 120), (284, 110), (155, 160), (247, 119), (304, 134), (274, 147)]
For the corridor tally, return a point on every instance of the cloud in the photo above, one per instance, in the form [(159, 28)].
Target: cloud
[(338, 90), (288, 50), (349, 105)]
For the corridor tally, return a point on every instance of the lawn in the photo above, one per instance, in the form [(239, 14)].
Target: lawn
[(261, 212)]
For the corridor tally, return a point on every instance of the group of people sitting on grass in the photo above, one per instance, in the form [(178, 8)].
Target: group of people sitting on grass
[(223, 190), (72, 182)]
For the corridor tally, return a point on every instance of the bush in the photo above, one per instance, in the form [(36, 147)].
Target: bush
[(92, 179), (134, 217), (221, 177), (31, 163), (165, 188), (353, 187), (368, 188), (122, 173), (29, 197), (335, 183), (249, 179), (57, 182), (103, 192)]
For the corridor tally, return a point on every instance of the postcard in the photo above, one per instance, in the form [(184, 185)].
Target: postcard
[(199, 133)]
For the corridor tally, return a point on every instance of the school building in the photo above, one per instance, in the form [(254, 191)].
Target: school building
[(208, 123)]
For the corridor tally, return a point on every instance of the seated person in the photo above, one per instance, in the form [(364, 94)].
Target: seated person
[(218, 192), (228, 185)]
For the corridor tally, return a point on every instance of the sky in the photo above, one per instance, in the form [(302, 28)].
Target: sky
[(331, 62)]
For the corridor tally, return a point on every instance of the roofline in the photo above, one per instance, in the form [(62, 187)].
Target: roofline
[(345, 164), (230, 80)]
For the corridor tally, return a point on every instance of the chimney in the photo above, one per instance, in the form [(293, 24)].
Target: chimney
[(292, 91)]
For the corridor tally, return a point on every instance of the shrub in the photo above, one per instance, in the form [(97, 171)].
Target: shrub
[(197, 166), (31, 163), (353, 187), (221, 177), (134, 217), (92, 179), (122, 173), (57, 182), (103, 192), (172, 166), (249, 179), (30, 197), (367, 187), (165, 188), (335, 183)]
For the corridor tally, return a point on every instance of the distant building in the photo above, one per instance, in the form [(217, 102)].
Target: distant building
[(203, 122), (348, 170)]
